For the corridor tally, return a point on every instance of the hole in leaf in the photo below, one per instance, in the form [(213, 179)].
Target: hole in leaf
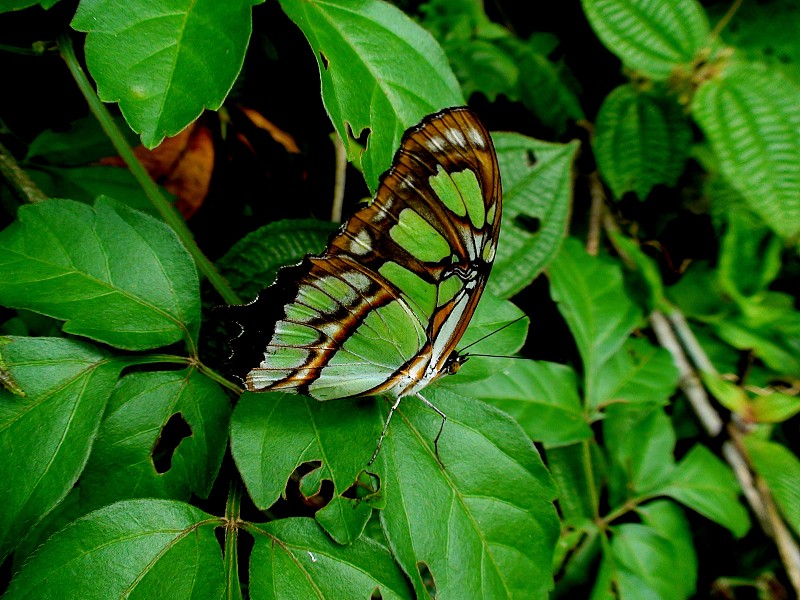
[(376, 594), (365, 485), (319, 497), (530, 156), (170, 437), (427, 578), (324, 60), (362, 139), (528, 223)]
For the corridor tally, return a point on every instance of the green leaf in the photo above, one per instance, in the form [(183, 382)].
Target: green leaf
[(654, 559), (541, 396), (82, 143), (293, 558), (650, 37), (135, 549), (727, 393), (86, 184), (647, 271), (500, 521), (164, 63), (639, 441), (593, 301), (751, 116), (537, 197), (252, 263), (124, 463), (363, 90), (704, 483), (274, 433), (46, 435), (780, 469), (749, 256), (774, 407), (114, 274), (642, 140), (638, 373)]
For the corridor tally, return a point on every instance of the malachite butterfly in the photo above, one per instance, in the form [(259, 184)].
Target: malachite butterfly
[(381, 310)]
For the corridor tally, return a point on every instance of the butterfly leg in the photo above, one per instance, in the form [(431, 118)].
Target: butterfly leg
[(385, 429), (441, 427)]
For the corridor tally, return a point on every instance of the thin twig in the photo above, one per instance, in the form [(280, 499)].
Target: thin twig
[(340, 178), (18, 180), (596, 211), (723, 22), (690, 383), (754, 488)]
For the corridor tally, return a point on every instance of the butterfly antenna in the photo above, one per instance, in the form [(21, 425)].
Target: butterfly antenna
[(491, 334)]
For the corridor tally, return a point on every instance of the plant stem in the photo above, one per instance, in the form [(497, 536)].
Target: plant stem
[(340, 178), (164, 208), (232, 521), (19, 181)]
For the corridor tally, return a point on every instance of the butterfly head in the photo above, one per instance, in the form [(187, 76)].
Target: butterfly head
[(454, 362)]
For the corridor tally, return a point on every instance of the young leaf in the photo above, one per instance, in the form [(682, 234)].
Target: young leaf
[(124, 463), (47, 433), (591, 297), (537, 198), (293, 558), (490, 497), (642, 140), (137, 549), (114, 274), (780, 468), (541, 396), (164, 62), (274, 433), (361, 89), (704, 483), (652, 37), (774, 407), (751, 116)]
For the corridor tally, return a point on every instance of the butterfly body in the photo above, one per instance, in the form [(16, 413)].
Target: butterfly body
[(381, 310)]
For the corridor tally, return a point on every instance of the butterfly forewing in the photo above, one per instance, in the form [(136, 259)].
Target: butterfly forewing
[(381, 311)]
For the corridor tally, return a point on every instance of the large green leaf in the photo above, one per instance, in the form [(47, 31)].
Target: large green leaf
[(541, 396), (481, 522), (274, 433), (47, 433), (123, 464), (537, 199), (642, 140), (114, 274), (164, 62), (780, 468), (704, 483), (650, 36), (751, 116), (293, 558), (600, 314), (135, 549), (372, 59)]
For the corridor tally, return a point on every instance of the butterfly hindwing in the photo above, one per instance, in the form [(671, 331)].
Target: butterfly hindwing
[(380, 312)]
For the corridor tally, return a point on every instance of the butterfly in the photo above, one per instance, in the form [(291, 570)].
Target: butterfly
[(381, 311)]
